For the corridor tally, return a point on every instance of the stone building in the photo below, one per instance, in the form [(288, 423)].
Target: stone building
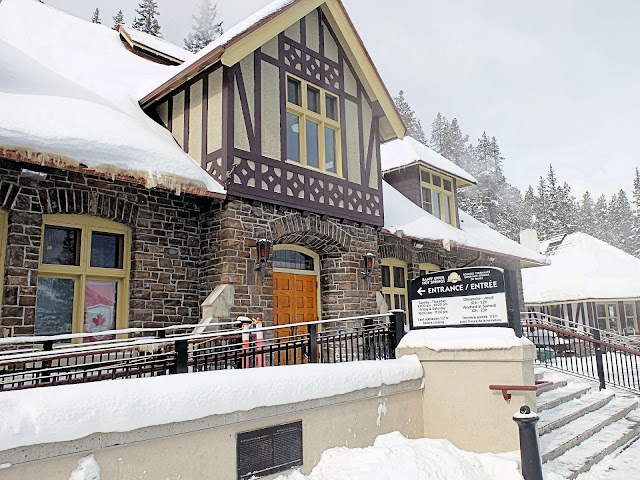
[(136, 180)]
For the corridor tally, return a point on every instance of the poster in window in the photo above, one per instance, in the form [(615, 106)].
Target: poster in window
[(100, 308)]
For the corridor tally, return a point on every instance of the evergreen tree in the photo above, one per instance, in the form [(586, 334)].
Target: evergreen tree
[(95, 18), (601, 211), (620, 222), (414, 127), (528, 217), (439, 132), (541, 211), (636, 217), (206, 29), (146, 20), (118, 20), (586, 216)]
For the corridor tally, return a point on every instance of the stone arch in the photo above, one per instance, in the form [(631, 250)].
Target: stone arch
[(86, 202), (396, 250), (311, 231)]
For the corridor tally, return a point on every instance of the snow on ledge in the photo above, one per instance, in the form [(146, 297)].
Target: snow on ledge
[(71, 412), (466, 338)]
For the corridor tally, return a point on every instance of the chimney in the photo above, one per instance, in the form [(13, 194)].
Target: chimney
[(529, 239)]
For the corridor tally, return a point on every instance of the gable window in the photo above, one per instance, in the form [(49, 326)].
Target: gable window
[(394, 283), (437, 196), (3, 252), (83, 276), (313, 126)]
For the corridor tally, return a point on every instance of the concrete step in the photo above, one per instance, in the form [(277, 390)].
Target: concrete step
[(557, 442), (592, 450), (553, 398), (618, 465), (551, 386), (559, 416)]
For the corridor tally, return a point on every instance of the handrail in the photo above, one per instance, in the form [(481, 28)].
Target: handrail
[(519, 388)]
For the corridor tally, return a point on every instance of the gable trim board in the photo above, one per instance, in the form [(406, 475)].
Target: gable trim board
[(251, 37)]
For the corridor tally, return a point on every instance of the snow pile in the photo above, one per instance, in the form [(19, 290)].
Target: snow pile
[(583, 268), (69, 91), (402, 153), (155, 43), (464, 338), (405, 218), (88, 469), (394, 457), (75, 411)]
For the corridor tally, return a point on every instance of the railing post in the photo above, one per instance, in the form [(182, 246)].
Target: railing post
[(313, 343), (47, 346), (397, 328), (529, 450), (368, 353), (599, 362), (182, 356), (513, 301)]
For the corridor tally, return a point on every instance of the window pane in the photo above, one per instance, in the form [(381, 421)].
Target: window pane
[(54, 306), (425, 176), (99, 308), (106, 250), (293, 91), (387, 298), (386, 276), (447, 208), (313, 99), (332, 107), (330, 164), (313, 151), (629, 311), (447, 185), (61, 246), (293, 137), (398, 277), (290, 259), (613, 310), (426, 200), (601, 310), (399, 302), (435, 197), (437, 181)]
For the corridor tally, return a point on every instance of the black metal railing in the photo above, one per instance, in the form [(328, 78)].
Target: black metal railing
[(46, 361), (607, 357)]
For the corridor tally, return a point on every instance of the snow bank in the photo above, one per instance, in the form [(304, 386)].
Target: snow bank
[(465, 338), (404, 218), (88, 469), (401, 153), (394, 457), (583, 268), (71, 412), (69, 90)]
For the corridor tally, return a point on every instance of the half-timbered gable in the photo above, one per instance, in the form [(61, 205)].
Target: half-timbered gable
[(296, 121)]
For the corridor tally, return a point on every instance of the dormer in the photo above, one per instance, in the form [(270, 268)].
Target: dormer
[(425, 177), (152, 48)]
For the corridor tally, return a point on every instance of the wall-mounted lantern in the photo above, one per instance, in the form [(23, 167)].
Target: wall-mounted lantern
[(263, 248), (368, 260)]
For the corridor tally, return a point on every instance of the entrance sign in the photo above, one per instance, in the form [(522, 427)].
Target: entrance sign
[(460, 297)]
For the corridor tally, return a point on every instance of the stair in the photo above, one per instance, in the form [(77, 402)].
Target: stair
[(580, 426)]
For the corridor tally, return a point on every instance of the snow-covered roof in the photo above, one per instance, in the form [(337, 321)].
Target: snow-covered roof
[(69, 91), (404, 218), (583, 268), (405, 152), (155, 44)]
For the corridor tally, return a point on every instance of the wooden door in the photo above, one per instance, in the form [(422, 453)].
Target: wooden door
[(295, 300)]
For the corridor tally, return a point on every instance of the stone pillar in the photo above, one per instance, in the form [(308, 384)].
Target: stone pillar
[(459, 365)]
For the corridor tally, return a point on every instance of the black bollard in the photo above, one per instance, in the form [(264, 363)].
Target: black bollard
[(529, 450)]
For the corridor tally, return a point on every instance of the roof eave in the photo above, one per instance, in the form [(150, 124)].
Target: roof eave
[(461, 182)]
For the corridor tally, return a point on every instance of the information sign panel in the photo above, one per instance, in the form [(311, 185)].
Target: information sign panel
[(460, 297), (269, 450)]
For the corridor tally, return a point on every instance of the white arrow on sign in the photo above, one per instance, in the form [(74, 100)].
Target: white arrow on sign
[(420, 291)]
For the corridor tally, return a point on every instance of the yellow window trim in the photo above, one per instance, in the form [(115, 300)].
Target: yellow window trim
[(323, 122), (429, 267), (394, 262), (442, 192), (83, 272), (3, 251)]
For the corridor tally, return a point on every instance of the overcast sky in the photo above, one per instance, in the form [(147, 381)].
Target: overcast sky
[(555, 81)]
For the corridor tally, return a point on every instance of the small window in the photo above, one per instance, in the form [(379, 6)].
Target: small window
[(438, 196), (313, 99), (293, 260), (313, 146), (293, 91), (447, 185), (332, 107), (293, 137), (106, 250), (426, 200), (386, 276), (425, 176), (330, 149), (394, 283), (61, 246)]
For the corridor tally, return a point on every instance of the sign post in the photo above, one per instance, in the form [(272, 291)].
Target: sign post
[(459, 298)]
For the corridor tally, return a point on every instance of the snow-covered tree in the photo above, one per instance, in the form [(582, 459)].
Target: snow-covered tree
[(601, 211), (586, 215), (118, 20), (528, 217), (95, 18), (206, 29), (146, 20), (414, 127), (636, 216), (620, 222)]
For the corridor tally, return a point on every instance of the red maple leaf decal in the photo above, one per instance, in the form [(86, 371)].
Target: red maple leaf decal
[(99, 320)]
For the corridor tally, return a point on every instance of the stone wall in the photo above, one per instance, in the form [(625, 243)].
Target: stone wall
[(165, 242)]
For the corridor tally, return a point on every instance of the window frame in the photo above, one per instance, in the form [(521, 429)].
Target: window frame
[(442, 194), (303, 112), (84, 271), (607, 317), (428, 268), (393, 290), (4, 222)]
